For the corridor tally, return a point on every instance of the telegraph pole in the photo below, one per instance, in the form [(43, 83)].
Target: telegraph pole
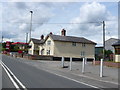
[(26, 37), (2, 40), (103, 40), (31, 12), (101, 65)]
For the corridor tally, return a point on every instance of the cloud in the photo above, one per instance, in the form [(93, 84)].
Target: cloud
[(88, 23), (9, 35), (16, 17)]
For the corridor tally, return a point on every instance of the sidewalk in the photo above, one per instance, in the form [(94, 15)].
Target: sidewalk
[(91, 75)]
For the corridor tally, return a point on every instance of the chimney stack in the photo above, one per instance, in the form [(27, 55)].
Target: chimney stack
[(50, 32), (42, 37), (63, 32)]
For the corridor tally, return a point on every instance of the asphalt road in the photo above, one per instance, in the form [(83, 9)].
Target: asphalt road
[(32, 77)]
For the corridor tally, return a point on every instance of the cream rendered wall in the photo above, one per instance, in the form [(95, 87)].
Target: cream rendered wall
[(31, 50), (46, 47), (67, 50), (117, 58)]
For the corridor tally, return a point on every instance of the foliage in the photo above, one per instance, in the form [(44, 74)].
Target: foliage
[(107, 55)]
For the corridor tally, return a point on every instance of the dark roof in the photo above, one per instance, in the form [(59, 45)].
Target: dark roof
[(37, 41), (117, 43), (70, 39)]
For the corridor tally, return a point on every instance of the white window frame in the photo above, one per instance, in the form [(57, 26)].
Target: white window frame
[(74, 44), (83, 45), (82, 53), (49, 42)]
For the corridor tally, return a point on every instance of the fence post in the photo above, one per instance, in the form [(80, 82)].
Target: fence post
[(83, 65), (101, 68), (62, 61), (70, 63)]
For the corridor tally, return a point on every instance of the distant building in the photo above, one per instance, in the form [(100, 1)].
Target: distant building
[(34, 46), (109, 42), (21, 45), (117, 51), (98, 52), (62, 45)]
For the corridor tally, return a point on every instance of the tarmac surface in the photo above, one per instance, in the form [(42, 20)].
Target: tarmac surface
[(36, 77), (91, 75)]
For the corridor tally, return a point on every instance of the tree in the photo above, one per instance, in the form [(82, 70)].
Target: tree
[(107, 54)]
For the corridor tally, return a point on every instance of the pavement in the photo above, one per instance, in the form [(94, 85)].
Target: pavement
[(91, 75)]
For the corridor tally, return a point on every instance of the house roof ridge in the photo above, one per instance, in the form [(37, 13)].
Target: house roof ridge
[(71, 39)]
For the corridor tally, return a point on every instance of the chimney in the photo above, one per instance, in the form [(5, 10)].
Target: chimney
[(42, 37), (63, 32), (50, 32)]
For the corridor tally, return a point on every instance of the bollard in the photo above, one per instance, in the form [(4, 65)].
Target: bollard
[(83, 65), (85, 60), (94, 61), (62, 62), (70, 63), (101, 68)]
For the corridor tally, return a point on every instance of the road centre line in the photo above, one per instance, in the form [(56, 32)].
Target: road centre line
[(7, 70)]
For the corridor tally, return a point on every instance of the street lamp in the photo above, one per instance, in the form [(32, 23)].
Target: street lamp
[(31, 12)]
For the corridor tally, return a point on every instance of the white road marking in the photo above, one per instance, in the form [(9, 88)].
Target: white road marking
[(96, 79), (72, 79), (3, 65), (14, 83)]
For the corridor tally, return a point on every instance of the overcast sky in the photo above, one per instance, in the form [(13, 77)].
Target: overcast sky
[(75, 17)]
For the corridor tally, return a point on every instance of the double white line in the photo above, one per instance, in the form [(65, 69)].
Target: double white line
[(18, 85)]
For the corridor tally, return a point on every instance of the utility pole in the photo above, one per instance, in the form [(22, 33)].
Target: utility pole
[(2, 40), (101, 65), (103, 40), (26, 37), (31, 12)]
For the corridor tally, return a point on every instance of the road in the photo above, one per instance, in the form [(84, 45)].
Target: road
[(32, 77)]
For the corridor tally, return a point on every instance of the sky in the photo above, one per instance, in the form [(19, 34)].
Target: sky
[(80, 19)]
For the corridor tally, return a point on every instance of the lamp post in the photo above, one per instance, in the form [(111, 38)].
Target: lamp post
[(31, 12)]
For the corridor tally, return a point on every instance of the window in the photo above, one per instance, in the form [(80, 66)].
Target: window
[(83, 45), (73, 43), (30, 51), (49, 42), (48, 52), (82, 53), (117, 51)]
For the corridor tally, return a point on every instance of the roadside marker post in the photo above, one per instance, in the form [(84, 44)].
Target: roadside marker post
[(83, 65), (62, 62), (70, 63), (85, 60), (101, 68), (94, 61)]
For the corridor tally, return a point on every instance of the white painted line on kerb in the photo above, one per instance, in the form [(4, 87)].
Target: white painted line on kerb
[(13, 75), (72, 79)]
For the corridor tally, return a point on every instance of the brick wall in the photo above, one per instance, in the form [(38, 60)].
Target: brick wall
[(109, 64)]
